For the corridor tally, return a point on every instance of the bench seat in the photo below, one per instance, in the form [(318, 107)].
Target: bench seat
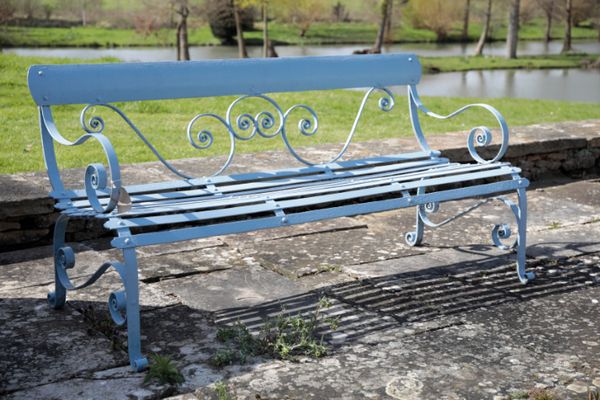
[(301, 195)]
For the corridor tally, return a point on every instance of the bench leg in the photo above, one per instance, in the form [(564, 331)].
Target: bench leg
[(131, 307), (524, 276), (63, 257), (416, 237)]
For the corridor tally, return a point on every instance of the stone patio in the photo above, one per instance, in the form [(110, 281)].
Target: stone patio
[(448, 320)]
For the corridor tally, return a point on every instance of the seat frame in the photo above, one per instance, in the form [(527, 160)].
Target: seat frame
[(219, 204)]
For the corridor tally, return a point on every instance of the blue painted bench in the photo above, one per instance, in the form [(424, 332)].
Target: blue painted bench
[(198, 207)]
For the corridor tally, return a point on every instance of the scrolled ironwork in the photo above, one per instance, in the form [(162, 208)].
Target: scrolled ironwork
[(261, 123), (480, 136), (386, 103), (204, 138)]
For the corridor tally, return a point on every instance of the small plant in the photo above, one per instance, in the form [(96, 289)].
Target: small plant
[(520, 395), (163, 369), (284, 337), (593, 394), (222, 392), (554, 225), (541, 394)]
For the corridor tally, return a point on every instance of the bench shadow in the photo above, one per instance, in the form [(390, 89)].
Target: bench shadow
[(372, 304)]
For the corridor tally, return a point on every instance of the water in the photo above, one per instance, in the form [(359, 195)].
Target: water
[(558, 84), (219, 52)]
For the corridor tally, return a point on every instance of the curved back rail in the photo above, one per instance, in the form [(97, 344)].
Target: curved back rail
[(109, 83)]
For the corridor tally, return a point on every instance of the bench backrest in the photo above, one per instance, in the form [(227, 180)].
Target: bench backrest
[(101, 85), (108, 83)]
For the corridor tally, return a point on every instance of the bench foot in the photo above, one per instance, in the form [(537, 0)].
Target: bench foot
[(123, 305), (128, 302)]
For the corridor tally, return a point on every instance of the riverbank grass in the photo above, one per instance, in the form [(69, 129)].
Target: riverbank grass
[(319, 33), (164, 122), (454, 64)]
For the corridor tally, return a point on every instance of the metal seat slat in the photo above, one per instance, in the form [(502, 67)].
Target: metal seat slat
[(218, 201), (265, 185), (391, 187), (256, 176)]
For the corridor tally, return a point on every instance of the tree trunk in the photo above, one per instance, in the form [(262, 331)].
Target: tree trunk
[(568, 23), (486, 29), (512, 37), (380, 34), (387, 33), (548, 34), (83, 13), (242, 53), (465, 30), (265, 30), (183, 48)]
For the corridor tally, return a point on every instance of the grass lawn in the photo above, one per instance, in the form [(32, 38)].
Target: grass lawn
[(457, 63), (319, 33), (164, 122)]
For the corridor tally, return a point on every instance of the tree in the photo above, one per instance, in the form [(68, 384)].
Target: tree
[(548, 7), (183, 48), (512, 37), (221, 18), (486, 29), (568, 24), (268, 48), (465, 29), (48, 7), (242, 52), (438, 16), (7, 10), (301, 13)]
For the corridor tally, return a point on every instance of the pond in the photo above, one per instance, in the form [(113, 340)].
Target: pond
[(558, 84), (219, 52)]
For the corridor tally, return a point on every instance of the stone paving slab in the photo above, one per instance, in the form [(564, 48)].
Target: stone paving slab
[(447, 320)]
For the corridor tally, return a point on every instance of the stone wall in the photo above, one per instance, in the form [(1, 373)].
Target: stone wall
[(541, 151)]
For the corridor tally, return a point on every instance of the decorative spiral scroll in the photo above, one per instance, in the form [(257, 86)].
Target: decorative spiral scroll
[(385, 103), (480, 136), (117, 306), (261, 123), (500, 232), (204, 138)]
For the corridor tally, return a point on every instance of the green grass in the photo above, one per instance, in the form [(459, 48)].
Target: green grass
[(457, 63), (280, 33), (164, 122)]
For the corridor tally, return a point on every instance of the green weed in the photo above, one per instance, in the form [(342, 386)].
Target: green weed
[(163, 370)]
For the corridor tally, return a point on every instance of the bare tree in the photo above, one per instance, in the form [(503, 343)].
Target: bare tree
[(243, 53), (387, 31), (512, 37), (486, 29), (548, 7), (385, 16), (183, 48), (465, 29), (568, 24)]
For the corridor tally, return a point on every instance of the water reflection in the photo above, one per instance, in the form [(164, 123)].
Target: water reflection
[(558, 84), (218, 52)]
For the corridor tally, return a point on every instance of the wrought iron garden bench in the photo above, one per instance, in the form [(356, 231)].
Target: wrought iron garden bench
[(218, 204)]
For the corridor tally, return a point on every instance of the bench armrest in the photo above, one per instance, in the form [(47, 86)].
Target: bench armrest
[(478, 136), (96, 179)]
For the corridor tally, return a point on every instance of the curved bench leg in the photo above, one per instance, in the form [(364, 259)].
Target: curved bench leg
[(416, 237), (524, 276), (132, 309), (58, 297)]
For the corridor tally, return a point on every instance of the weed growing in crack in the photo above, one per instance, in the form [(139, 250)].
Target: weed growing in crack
[(101, 322), (541, 394), (285, 337), (222, 392), (554, 225), (164, 370)]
